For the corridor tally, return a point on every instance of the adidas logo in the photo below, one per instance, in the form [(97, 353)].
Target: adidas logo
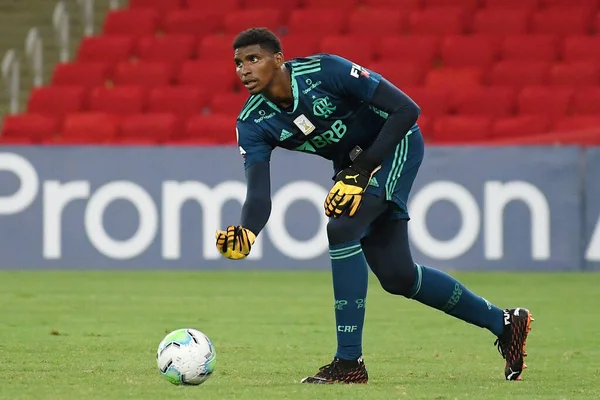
[(373, 182), (284, 135)]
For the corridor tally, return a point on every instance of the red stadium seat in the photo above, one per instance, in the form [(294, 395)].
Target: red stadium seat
[(107, 49), (454, 77), (119, 100), (162, 6), (469, 5), (407, 5), (216, 47), (299, 45), (307, 22), (512, 4), (211, 76), (520, 125), (590, 5), (182, 101), (581, 48), (377, 21), (16, 141), (239, 20), (56, 100), (228, 103), (285, 5), (142, 73), (438, 21), (159, 127), (194, 141), (575, 74), (172, 49), (501, 21), (193, 22), (586, 101), (426, 123), (493, 101), (529, 48), (87, 74), (421, 49), (88, 127), (518, 74), (221, 6), (544, 100), (399, 73), (355, 48), (133, 22), (576, 123), (460, 129), (216, 128), (468, 51), (342, 5), (28, 127), (434, 102), (562, 21)]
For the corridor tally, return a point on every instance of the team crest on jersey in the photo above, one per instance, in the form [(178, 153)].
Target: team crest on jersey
[(306, 127), (322, 107)]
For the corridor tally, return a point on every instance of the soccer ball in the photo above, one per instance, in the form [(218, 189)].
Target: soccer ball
[(186, 357)]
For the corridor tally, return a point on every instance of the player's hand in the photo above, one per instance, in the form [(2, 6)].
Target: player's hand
[(235, 243), (346, 194)]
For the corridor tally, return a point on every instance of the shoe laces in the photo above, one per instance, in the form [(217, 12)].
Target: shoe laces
[(330, 367)]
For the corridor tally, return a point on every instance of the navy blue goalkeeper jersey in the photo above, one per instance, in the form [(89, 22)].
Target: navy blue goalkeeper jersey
[(329, 117)]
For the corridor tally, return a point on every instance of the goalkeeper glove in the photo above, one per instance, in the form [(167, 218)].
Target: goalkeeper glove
[(350, 184), (235, 243)]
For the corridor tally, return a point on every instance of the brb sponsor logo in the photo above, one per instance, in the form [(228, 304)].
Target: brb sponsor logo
[(162, 216)]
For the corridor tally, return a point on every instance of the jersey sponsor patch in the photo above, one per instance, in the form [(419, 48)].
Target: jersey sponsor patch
[(357, 71), (306, 127)]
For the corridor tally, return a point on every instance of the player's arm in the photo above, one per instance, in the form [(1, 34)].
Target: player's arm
[(236, 241), (371, 88), (403, 113), (257, 206)]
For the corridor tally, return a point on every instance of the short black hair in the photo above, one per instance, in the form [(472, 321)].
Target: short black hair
[(261, 36)]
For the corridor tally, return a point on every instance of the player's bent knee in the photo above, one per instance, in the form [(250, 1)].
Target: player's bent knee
[(343, 230), (398, 280)]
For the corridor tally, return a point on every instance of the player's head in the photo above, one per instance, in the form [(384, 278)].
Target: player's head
[(258, 58)]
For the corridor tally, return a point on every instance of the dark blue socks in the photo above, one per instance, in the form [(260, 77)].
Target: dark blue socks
[(350, 279), (439, 290)]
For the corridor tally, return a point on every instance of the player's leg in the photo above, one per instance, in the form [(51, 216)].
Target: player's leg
[(387, 250), (350, 278), (388, 254), (388, 240)]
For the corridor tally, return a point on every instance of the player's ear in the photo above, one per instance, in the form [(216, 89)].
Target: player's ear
[(279, 59)]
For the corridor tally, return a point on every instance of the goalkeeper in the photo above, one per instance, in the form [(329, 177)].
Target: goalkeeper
[(330, 107)]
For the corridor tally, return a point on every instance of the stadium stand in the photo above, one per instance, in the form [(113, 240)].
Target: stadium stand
[(160, 71)]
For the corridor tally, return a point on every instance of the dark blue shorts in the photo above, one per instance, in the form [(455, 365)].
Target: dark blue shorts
[(395, 178)]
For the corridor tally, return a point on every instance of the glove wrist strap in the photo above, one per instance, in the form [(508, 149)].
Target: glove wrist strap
[(362, 162)]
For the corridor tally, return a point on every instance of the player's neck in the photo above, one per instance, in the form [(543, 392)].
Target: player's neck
[(279, 92)]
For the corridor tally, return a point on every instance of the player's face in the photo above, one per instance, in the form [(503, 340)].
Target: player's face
[(256, 67)]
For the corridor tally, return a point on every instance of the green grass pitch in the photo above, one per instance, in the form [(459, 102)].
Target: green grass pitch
[(93, 335)]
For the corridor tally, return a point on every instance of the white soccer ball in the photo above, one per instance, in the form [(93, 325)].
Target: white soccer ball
[(186, 357)]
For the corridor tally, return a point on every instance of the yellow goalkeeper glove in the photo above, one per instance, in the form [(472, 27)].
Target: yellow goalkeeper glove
[(350, 184), (346, 194), (235, 243)]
